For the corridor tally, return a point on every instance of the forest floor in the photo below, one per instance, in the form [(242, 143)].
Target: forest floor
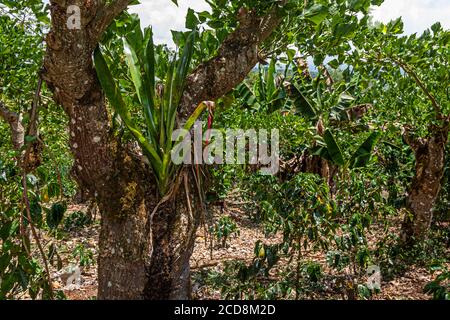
[(207, 258)]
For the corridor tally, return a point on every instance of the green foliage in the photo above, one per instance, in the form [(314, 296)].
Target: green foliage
[(313, 270), (394, 258), (439, 287), (23, 25), (223, 229), (55, 215), (359, 159), (159, 108), (442, 212), (19, 272), (407, 75), (19, 31), (76, 220), (83, 255), (300, 208), (267, 93), (333, 149), (294, 136), (351, 217)]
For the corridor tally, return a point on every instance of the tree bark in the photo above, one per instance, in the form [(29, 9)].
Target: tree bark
[(142, 257), (426, 184), (143, 252), (15, 124)]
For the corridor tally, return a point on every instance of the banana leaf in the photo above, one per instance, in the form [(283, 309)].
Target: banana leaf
[(303, 106), (363, 154), (333, 148)]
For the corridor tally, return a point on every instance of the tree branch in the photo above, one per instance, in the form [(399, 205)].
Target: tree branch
[(328, 78), (107, 14), (414, 143), (14, 121), (238, 54), (412, 74)]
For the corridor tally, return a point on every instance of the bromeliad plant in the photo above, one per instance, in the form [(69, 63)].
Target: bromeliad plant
[(158, 98)]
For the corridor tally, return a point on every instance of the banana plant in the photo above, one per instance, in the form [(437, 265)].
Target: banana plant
[(267, 93), (159, 107), (330, 150), (317, 103)]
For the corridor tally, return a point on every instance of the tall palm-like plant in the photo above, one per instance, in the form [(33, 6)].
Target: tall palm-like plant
[(159, 108)]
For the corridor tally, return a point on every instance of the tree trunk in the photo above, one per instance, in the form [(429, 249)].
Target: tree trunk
[(122, 185), (143, 259), (141, 255), (426, 184), (168, 274)]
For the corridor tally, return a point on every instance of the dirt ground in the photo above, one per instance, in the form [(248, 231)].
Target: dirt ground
[(409, 286), (206, 257)]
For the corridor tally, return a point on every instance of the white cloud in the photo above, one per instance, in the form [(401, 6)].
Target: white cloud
[(165, 16), (418, 15)]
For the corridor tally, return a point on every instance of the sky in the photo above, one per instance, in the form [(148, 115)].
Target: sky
[(418, 15)]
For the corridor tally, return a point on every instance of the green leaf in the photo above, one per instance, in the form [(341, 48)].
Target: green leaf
[(303, 106), (270, 79), (320, 151), (177, 81), (395, 26), (317, 13), (5, 259), (114, 96), (56, 214), (334, 64), (363, 154), (195, 115), (140, 59), (191, 20), (333, 148), (5, 231), (36, 212), (344, 29), (436, 27), (30, 138), (357, 5)]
